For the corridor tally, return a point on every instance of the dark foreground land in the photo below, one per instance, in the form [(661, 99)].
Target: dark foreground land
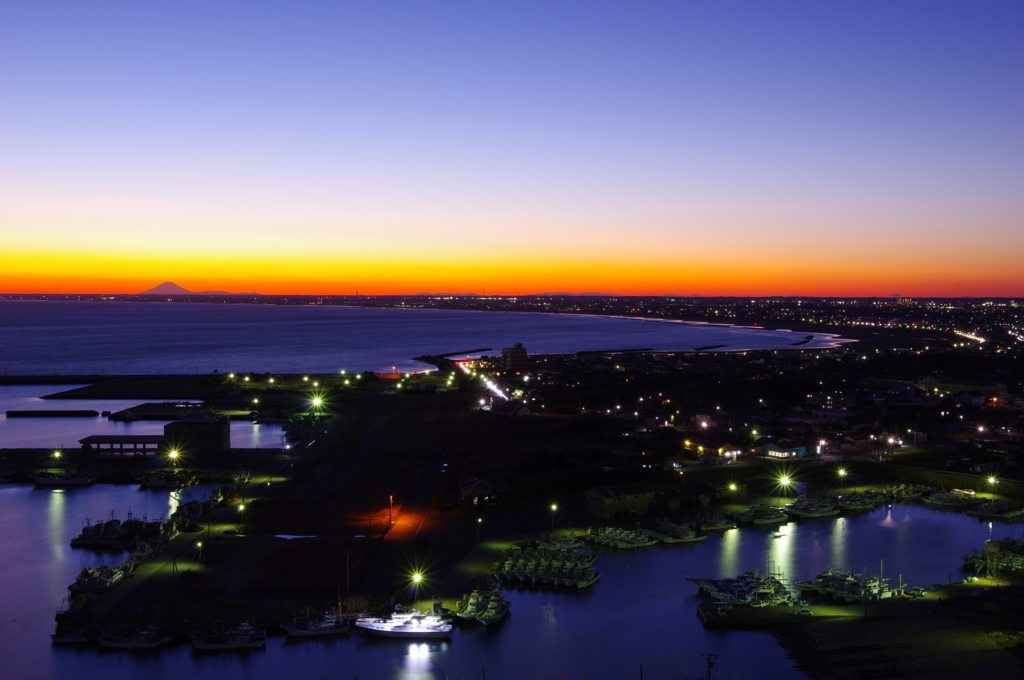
[(378, 499)]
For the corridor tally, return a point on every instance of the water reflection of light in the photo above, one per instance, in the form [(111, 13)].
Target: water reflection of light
[(780, 552), (417, 662), (840, 535), (55, 523), (888, 520), (730, 554)]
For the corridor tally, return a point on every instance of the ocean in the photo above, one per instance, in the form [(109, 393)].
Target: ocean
[(75, 338)]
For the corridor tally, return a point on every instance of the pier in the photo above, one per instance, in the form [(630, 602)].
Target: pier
[(138, 444)]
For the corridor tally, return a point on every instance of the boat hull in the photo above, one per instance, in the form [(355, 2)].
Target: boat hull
[(406, 633)]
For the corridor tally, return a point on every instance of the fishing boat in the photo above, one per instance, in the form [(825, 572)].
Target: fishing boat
[(306, 627), (750, 588), (472, 605), (144, 639), (496, 609), (769, 516), (714, 522), (243, 636), (407, 625), (585, 578), (809, 509)]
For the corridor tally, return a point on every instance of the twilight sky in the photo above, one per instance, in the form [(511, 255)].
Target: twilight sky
[(721, 148)]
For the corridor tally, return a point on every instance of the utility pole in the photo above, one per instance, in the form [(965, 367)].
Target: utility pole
[(711, 662)]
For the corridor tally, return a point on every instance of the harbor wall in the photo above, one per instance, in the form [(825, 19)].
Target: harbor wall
[(942, 478)]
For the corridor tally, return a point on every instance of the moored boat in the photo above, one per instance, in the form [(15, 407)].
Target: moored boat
[(497, 608), (144, 639), (243, 636), (472, 605), (306, 627), (407, 625)]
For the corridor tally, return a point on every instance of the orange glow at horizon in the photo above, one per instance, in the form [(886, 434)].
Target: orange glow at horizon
[(519, 273)]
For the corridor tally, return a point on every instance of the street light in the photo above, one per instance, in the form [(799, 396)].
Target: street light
[(554, 509), (479, 521)]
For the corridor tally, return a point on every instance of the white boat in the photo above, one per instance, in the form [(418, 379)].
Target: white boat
[(407, 625), (242, 637), (329, 625), (143, 639), (770, 516)]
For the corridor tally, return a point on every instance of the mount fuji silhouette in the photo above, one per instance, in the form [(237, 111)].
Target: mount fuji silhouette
[(170, 288)]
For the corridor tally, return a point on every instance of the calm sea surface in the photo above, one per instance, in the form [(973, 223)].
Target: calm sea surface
[(641, 612), (32, 433), (135, 337)]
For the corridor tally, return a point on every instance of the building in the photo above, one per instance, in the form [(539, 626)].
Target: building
[(639, 499), (784, 449), (713, 451), (619, 500), (514, 358), (199, 436)]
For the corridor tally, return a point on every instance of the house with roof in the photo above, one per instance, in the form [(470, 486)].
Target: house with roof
[(784, 449), (713, 451)]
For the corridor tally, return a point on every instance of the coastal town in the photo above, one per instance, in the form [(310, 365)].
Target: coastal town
[(414, 504)]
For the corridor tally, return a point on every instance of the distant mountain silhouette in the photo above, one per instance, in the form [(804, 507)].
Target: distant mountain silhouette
[(170, 288)]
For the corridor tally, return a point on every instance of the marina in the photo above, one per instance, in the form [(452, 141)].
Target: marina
[(801, 549)]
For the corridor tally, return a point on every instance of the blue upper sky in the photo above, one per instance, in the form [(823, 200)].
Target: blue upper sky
[(705, 123)]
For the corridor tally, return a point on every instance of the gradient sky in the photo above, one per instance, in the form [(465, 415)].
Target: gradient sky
[(721, 148)]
